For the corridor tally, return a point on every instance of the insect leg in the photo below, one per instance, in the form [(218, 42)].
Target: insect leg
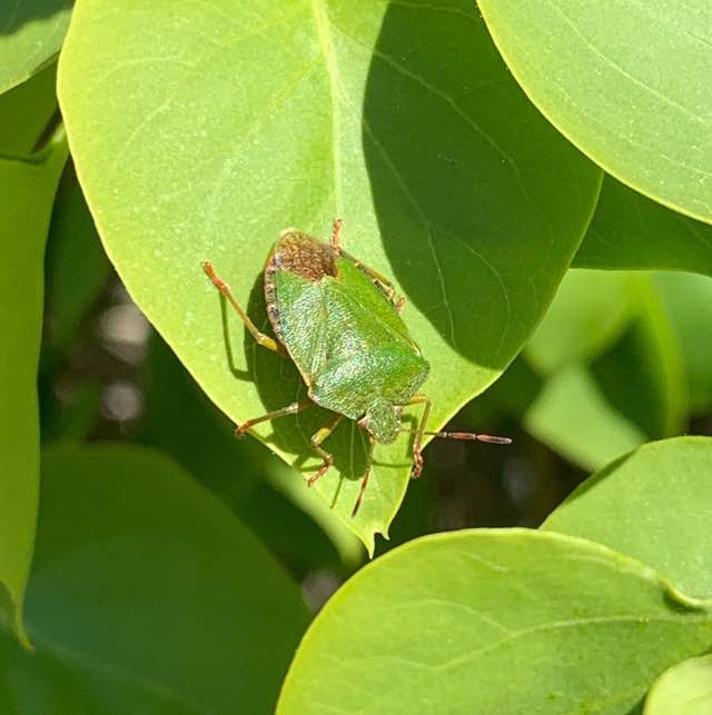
[(288, 410), (364, 479), (421, 431), (418, 442), (316, 439), (224, 288), (398, 302), (388, 287)]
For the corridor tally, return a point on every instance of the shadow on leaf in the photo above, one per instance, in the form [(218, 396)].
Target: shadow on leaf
[(468, 181)]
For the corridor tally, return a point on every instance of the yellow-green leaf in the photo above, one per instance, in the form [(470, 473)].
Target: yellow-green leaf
[(626, 82), (28, 184), (493, 621), (685, 689), (653, 504), (207, 130)]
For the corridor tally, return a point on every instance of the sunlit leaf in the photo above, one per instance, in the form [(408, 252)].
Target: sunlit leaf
[(685, 689), (208, 130), (653, 504), (491, 621), (627, 83)]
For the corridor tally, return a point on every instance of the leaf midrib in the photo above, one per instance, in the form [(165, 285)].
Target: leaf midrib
[(323, 31)]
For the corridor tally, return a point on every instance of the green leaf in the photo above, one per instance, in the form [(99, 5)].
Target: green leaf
[(28, 190), (572, 416), (685, 689), (653, 504), (67, 417), (628, 86), (589, 311), (388, 115), (25, 112), (493, 621), (642, 375), (629, 231), (138, 570), (35, 683), (77, 267), (688, 301), (181, 422), (31, 33), (629, 390)]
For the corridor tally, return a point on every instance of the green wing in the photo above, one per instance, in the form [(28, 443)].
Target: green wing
[(302, 314), (354, 283), (335, 318)]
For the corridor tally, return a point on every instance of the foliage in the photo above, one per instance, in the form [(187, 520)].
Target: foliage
[(685, 686), (28, 174), (31, 34), (534, 179), (453, 623), (334, 159), (633, 116)]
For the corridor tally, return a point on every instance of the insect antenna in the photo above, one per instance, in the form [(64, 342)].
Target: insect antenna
[(472, 436), (469, 436)]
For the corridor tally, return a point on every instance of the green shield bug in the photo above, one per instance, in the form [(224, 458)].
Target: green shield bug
[(339, 322)]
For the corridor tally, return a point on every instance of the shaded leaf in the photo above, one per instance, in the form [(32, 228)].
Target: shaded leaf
[(628, 86), (454, 623), (41, 683), (223, 155), (77, 267), (68, 418), (629, 231), (653, 504), (589, 311), (29, 184), (572, 416), (688, 301), (182, 423), (631, 389), (25, 112), (31, 33), (642, 374), (139, 570)]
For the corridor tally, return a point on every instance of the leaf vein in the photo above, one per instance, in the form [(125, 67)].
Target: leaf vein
[(620, 69)]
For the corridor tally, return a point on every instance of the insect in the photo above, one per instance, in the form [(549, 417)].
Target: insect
[(339, 321)]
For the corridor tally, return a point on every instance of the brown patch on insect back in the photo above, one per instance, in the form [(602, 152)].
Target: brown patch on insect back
[(301, 254)]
